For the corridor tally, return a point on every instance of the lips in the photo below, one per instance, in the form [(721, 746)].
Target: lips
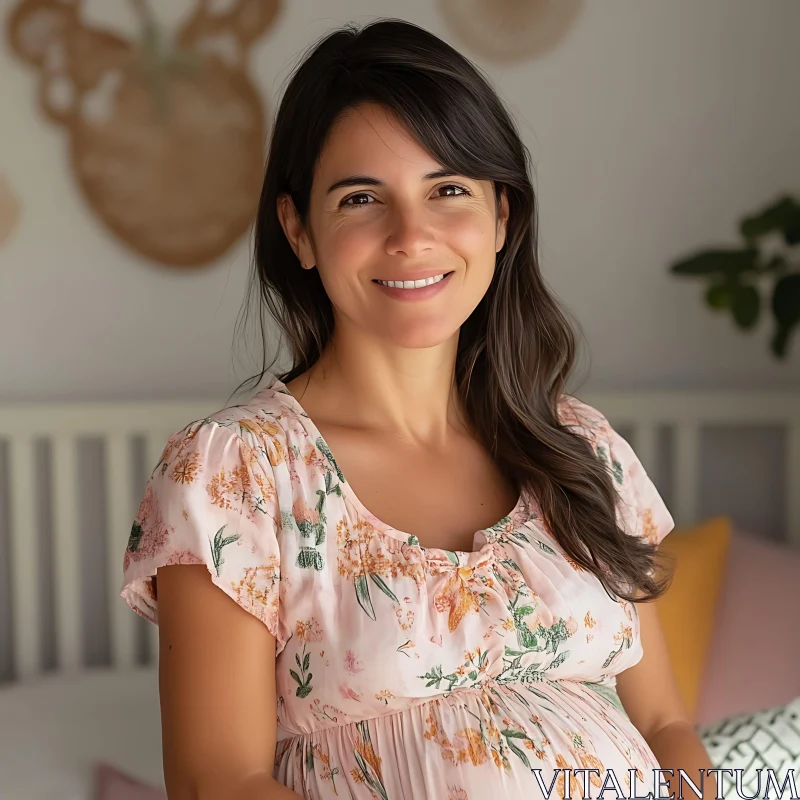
[(418, 283), (408, 290)]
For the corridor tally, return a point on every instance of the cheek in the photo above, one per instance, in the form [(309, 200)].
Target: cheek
[(473, 237), (350, 247)]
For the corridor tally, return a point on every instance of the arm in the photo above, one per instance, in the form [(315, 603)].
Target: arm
[(651, 698), (217, 687)]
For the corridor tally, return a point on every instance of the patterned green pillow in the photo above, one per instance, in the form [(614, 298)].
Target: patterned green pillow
[(756, 742)]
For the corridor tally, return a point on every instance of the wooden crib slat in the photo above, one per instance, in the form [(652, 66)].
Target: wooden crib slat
[(67, 553), (120, 517), (24, 572), (645, 447), (687, 470)]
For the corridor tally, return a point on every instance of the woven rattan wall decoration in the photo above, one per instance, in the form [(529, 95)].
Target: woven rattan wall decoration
[(505, 31), (9, 211), (166, 133)]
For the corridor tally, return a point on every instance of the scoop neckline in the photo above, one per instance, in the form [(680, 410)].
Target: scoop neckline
[(408, 539)]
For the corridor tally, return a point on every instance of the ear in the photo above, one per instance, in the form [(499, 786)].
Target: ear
[(502, 222), (295, 233)]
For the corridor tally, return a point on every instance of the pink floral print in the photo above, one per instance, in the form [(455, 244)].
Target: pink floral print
[(403, 671)]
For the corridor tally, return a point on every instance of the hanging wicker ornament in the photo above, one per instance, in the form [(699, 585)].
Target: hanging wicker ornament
[(166, 136), (506, 31)]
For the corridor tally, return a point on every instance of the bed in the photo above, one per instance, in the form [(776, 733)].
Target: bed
[(78, 682), (56, 729)]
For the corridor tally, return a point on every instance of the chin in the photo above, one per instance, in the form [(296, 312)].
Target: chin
[(418, 335)]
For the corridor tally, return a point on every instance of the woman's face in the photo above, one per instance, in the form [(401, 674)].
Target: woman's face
[(379, 212)]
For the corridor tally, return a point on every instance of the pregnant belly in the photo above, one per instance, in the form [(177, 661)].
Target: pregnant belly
[(489, 742)]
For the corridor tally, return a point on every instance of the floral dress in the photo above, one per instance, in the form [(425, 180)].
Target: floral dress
[(404, 671)]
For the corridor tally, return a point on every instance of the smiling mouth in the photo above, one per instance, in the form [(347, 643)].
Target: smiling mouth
[(414, 284)]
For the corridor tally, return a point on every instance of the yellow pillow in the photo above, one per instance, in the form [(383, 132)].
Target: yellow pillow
[(687, 609)]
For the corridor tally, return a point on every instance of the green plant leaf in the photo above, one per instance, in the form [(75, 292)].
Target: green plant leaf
[(512, 734), (786, 308), (518, 753), (786, 299), (718, 296), (319, 528), (362, 595), (777, 264), (381, 584), (782, 216), (309, 558), (323, 448), (726, 262), (746, 306), (525, 636), (609, 693), (136, 537), (559, 659), (218, 543)]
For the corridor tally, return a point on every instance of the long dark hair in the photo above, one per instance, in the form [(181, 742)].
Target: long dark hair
[(517, 348)]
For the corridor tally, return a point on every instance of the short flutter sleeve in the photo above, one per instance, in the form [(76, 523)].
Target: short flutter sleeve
[(642, 511), (209, 501)]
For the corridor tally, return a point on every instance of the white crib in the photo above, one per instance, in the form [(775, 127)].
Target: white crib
[(56, 725)]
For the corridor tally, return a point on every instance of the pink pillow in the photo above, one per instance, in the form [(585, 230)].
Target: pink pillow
[(754, 651), (112, 784)]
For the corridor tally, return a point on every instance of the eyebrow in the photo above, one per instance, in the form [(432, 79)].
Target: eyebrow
[(367, 180)]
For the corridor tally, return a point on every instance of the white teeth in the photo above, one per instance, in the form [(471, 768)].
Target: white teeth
[(413, 284)]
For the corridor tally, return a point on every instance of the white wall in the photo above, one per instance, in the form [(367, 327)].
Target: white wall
[(654, 126)]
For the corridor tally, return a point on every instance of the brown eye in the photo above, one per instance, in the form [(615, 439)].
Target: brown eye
[(461, 189), (347, 204)]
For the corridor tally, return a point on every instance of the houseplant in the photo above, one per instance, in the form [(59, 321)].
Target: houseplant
[(735, 276)]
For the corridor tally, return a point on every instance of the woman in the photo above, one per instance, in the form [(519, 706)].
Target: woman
[(446, 608)]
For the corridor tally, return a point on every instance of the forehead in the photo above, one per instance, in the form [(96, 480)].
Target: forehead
[(370, 139)]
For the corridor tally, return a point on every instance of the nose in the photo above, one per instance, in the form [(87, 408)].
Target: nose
[(410, 234)]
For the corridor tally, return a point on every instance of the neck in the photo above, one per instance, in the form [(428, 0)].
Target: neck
[(370, 384)]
